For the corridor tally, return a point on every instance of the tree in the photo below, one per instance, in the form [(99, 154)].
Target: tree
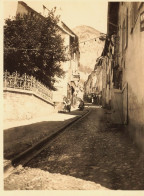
[(33, 45)]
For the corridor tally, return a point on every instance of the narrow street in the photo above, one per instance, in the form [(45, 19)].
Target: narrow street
[(73, 99), (91, 150)]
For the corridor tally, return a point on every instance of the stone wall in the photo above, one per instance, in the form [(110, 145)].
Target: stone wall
[(133, 72), (136, 117), (24, 105)]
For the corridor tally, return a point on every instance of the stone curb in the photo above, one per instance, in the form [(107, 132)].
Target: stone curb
[(17, 160)]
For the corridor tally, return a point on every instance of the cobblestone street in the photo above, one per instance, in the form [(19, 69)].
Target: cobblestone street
[(91, 150), (73, 99)]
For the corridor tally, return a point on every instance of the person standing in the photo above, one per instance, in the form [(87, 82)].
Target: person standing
[(68, 105)]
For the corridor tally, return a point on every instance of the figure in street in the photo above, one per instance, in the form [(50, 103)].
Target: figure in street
[(81, 105)]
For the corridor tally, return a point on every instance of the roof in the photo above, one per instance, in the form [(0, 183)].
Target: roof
[(62, 26), (66, 29), (28, 8)]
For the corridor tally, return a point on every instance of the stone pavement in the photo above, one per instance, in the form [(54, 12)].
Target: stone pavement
[(21, 135), (91, 155), (95, 150)]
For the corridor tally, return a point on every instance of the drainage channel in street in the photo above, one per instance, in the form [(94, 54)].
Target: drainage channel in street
[(26, 156)]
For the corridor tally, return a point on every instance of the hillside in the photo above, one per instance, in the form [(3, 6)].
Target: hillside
[(89, 50)]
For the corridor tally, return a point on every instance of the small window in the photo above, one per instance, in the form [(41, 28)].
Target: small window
[(125, 32), (142, 21)]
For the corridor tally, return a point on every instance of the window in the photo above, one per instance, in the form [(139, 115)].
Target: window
[(142, 21), (125, 32)]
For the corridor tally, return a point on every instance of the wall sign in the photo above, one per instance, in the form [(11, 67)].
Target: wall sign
[(142, 21)]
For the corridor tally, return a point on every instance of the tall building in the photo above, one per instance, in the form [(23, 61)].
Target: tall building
[(123, 54)]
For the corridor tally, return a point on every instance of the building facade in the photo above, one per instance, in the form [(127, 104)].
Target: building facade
[(93, 85), (124, 50), (67, 86)]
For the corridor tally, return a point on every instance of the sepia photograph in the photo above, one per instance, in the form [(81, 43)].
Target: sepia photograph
[(73, 95)]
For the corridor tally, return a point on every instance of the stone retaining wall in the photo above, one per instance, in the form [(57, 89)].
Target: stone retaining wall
[(24, 105)]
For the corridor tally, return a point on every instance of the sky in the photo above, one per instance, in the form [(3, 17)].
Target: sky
[(73, 13)]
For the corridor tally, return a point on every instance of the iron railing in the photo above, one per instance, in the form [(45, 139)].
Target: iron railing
[(26, 82)]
